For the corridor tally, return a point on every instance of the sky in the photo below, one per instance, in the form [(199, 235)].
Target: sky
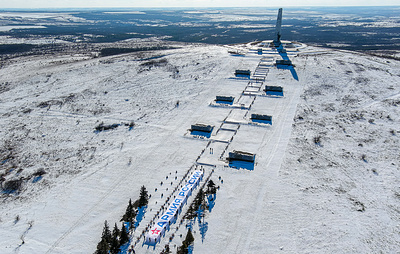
[(186, 3)]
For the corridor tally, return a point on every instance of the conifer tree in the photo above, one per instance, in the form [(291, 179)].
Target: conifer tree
[(199, 199), (114, 245), (104, 245), (190, 213), (144, 198), (130, 213), (189, 239), (211, 189), (106, 232), (124, 237), (182, 250), (116, 231), (199, 202)]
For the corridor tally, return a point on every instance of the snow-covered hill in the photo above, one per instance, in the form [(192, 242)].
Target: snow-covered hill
[(326, 178)]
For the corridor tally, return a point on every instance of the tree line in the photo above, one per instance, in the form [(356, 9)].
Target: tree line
[(111, 242)]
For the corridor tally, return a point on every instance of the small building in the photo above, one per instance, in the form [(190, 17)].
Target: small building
[(283, 62), (274, 89), (242, 156), (220, 98), (242, 73), (266, 118), (202, 127)]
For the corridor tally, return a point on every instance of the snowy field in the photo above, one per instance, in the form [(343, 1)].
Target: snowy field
[(326, 174)]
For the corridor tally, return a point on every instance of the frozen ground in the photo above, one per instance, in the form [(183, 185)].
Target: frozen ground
[(326, 178)]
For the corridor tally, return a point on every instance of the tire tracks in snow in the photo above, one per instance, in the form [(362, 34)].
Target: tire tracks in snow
[(126, 176)]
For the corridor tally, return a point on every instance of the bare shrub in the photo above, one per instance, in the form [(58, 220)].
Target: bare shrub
[(12, 186), (364, 157), (40, 172), (317, 140)]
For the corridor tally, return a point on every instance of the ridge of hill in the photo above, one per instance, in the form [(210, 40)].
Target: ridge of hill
[(326, 172)]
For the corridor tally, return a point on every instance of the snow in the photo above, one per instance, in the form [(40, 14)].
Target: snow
[(37, 16), (9, 28), (169, 216), (301, 197), (36, 41)]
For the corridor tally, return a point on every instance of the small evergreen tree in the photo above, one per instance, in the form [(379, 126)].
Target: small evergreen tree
[(114, 245), (104, 245), (198, 201), (106, 233), (124, 237), (182, 250), (190, 213), (130, 213), (211, 189), (189, 239), (144, 198)]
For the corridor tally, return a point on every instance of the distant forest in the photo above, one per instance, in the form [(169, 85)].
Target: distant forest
[(353, 28)]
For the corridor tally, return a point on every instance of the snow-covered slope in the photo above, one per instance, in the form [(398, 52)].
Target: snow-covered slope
[(337, 195)]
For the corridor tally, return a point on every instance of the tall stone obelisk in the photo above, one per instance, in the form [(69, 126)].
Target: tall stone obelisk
[(277, 40)]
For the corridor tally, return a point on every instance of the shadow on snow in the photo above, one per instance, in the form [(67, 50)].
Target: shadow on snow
[(241, 164)]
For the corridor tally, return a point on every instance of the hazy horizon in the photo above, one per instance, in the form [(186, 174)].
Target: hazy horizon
[(353, 28), (192, 7)]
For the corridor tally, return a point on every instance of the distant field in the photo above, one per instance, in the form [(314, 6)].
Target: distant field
[(353, 28)]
